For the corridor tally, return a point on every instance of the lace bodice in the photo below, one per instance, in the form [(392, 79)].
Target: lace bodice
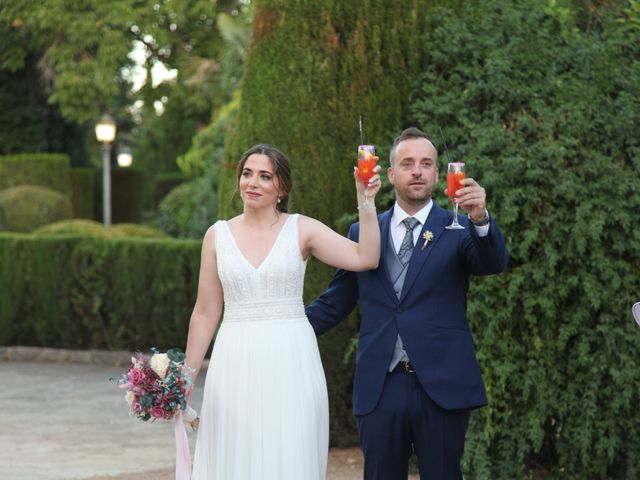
[(271, 291)]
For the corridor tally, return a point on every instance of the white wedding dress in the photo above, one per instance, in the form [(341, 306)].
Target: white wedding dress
[(265, 413)]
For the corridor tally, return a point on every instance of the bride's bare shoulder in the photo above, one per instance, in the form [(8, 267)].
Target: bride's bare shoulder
[(308, 224)]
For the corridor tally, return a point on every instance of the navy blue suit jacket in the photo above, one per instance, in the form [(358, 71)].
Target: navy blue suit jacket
[(431, 314)]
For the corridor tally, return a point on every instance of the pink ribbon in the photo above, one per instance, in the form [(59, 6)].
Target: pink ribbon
[(183, 455)]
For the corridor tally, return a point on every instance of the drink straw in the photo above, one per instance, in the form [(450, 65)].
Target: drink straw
[(446, 151), (361, 133)]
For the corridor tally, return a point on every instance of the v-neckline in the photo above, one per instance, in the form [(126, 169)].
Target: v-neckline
[(264, 260)]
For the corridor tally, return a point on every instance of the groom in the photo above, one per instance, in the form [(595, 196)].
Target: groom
[(417, 377)]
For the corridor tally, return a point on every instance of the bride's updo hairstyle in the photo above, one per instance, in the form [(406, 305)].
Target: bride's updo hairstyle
[(281, 170)]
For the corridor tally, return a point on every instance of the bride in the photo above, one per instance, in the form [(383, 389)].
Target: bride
[(265, 412)]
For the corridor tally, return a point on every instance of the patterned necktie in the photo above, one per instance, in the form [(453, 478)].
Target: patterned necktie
[(406, 248)]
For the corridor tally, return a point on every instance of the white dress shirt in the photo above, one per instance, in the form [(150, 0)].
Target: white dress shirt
[(398, 230)]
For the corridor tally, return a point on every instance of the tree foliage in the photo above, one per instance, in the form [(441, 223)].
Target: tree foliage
[(84, 58), (193, 209), (189, 209), (306, 83), (543, 103), (85, 45)]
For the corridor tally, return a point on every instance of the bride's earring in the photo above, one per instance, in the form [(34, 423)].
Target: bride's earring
[(279, 199)]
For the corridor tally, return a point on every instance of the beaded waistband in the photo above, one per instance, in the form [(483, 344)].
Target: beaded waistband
[(265, 310)]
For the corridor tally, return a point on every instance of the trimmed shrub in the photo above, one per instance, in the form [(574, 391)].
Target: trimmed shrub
[(163, 183), (92, 228), (28, 207), (543, 103), (82, 192), (189, 209), (75, 226), (176, 208), (136, 230), (49, 170), (126, 195), (73, 291)]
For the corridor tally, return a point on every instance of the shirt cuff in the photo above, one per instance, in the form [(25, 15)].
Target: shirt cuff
[(482, 231)]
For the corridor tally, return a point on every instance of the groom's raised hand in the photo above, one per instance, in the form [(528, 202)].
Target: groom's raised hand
[(472, 199)]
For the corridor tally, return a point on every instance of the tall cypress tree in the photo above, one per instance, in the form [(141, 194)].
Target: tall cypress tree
[(313, 68)]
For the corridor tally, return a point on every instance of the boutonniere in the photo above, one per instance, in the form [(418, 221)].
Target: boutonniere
[(427, 236)]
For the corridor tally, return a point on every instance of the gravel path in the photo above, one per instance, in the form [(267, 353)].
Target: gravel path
[(66, 421)]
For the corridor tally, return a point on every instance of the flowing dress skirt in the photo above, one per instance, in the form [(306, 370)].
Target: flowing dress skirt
[(265, 412)]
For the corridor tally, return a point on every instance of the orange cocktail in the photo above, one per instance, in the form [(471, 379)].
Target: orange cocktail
[(455, 175), (453, 183), (366, 162)]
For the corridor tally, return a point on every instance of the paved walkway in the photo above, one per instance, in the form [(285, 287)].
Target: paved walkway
[(63, 417)]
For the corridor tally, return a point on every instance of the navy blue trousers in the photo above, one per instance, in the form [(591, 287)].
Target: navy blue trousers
[(406, 420)]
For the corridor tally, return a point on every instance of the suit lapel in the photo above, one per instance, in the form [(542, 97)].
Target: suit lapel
[(436, 221), (384, 277)]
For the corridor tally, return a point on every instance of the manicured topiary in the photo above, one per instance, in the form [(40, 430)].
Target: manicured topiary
[(75, 226), (135, 230), (126, 195), (28, 207), (92, 228), (82, 192), (189, 209), (163, 183), (49, 170), (79, 291)]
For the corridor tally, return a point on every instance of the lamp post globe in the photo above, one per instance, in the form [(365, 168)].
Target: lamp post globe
[(125, 158), (105, 134)]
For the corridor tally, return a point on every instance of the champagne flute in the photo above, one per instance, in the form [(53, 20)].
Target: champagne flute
[(455, 173), (366, 163), (636, 312)]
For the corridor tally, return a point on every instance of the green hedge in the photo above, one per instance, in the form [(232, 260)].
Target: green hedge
[(28, 207), (49, 170), (83, 192), (87, 292), (543, 103), (126, 195)]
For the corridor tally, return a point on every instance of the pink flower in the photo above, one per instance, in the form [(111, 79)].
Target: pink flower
[(136, 375), (158, 412), (163, 396)]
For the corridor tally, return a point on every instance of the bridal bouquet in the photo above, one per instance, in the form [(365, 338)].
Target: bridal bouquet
[(156, 385)]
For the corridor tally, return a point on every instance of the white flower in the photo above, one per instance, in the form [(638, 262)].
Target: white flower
[(136, 363), (159, 363), (129, 397), (427, 236)]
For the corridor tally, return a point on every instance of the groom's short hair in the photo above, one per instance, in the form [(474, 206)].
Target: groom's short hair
[(408, 134)]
